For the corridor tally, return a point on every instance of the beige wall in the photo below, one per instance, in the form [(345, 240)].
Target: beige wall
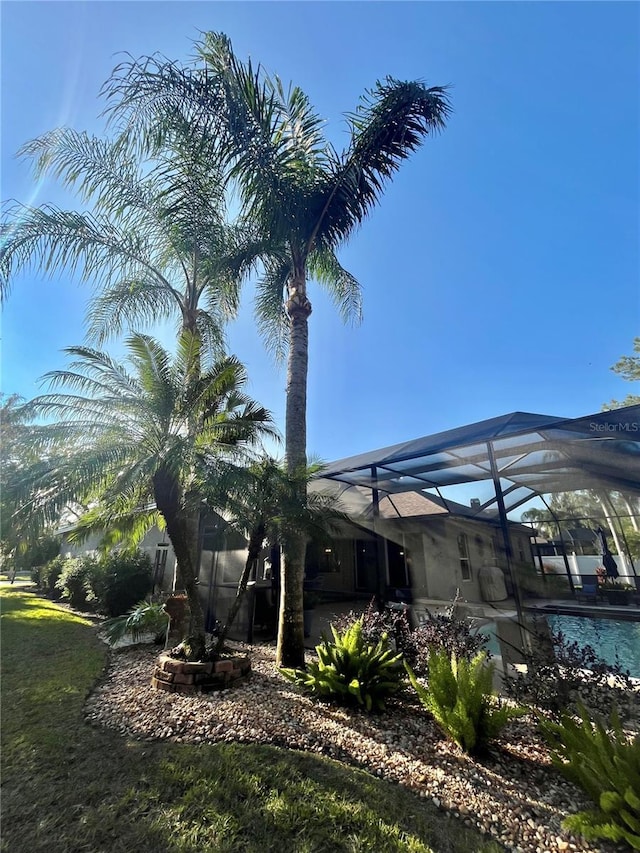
[(148, 544), (431, 546)]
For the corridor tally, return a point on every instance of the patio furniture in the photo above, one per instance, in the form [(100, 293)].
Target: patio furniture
[(590, 591)]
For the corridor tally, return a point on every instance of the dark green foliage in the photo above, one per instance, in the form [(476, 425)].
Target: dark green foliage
[(459, 695), (38, 553), (47, 576), (145, 618), (78, 579), (112, 584), (554, 682), (444, 631), (351, 670), (126, 579), (604, 763), (390, 626)]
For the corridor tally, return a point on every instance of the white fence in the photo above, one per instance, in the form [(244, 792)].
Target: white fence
[(584, 565)]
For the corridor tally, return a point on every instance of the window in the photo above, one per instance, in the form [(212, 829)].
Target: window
[(321, 559), (463, 551), (159, 565)]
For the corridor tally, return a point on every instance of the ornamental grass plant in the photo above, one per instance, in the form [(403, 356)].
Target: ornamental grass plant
[(605, 763), (459, 695)]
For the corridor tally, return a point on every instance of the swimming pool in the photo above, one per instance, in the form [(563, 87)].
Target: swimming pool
[(607, 636)]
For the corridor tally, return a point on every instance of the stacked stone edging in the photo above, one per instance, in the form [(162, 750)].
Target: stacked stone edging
[(181, 676)]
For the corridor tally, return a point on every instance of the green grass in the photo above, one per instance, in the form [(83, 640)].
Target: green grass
[(67, 786)]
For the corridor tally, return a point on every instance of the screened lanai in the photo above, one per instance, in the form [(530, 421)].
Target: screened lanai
[(521, 455), (499, 467)]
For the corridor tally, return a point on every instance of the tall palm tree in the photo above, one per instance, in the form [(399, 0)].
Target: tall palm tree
[(156, 242), (141, 445), (305, 197)]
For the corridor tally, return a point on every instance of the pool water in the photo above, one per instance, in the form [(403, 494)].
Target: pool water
[(606, 636)]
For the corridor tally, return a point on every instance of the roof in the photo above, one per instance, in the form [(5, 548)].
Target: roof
[(534, 455)]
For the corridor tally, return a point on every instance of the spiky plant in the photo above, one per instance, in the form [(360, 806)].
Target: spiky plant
[(459, 695)]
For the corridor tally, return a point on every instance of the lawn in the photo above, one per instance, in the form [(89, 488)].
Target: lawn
[(69, 787)]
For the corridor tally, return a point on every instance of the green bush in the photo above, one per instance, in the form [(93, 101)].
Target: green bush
[(459, 695), (48, 576), (145, 618), (351, 671), (606, 765), (446, 630), (126, 579), (78, 580)]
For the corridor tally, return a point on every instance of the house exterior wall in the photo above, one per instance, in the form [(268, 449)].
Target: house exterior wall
[(432, 552), (430, 547), (149, 544)]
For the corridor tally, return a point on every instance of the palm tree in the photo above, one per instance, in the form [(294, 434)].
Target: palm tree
[(155, 244), (264, 503), (304, 196), (141, 446)]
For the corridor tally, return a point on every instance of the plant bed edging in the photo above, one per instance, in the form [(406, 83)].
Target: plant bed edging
[(181, 676)]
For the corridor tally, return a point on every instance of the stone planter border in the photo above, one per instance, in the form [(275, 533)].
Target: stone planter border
[(181, 676)]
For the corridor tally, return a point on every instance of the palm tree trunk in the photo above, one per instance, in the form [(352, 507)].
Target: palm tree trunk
[(290, 648), (180, 530), (253, 553)]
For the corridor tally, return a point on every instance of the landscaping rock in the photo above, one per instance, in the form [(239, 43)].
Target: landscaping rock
[(514, 795)]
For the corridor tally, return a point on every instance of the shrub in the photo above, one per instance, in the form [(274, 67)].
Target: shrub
[(48, 576), (36, 575), (444, 631), (77, 580), (34, 555), (388, 626), (145, 618), (126, 579), (351, 670), (459, 694), (555, 683), (447, 634), (606, 765)]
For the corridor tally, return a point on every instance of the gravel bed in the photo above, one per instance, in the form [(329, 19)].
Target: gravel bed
[(514, 795)]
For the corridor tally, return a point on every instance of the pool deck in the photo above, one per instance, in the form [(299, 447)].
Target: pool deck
[(562, 607)]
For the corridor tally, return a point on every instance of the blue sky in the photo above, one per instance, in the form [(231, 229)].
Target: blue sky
[(501, 270)]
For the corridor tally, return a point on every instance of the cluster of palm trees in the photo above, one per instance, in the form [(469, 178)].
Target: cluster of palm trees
[(155, 440)]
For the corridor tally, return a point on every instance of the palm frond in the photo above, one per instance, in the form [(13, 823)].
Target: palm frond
[(115, 526), (269, 301), (148, 98), (100, 171), (129, 303), (344, 289), (388, 125), (155, 375), (55, 240)]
